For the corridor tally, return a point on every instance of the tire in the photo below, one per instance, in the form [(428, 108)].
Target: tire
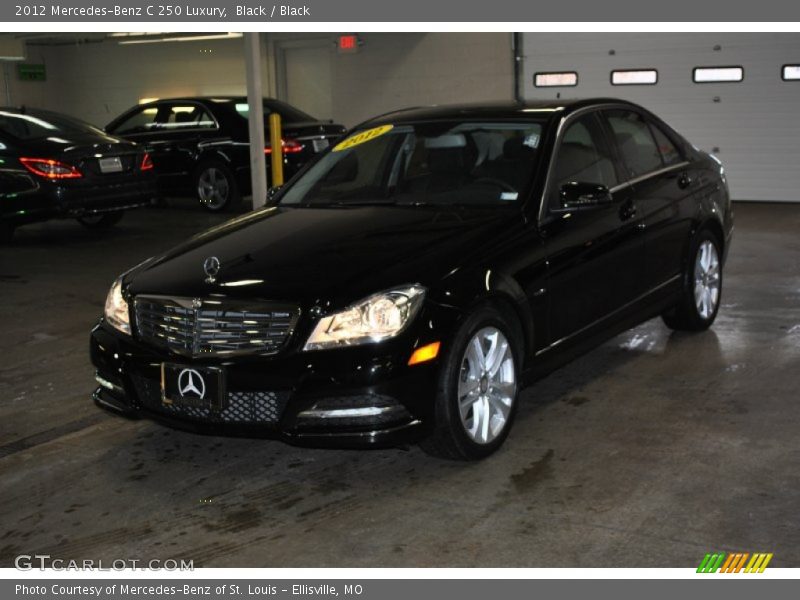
[(482, 426), (102, 221), (699, 303), (6, 232), (216, 187)]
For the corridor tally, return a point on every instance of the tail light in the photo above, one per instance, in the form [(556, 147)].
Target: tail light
[(288, 146), (50, 168), (147, 163)]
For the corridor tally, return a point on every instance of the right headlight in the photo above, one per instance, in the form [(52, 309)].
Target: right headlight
[(379, 317), (116, 311)]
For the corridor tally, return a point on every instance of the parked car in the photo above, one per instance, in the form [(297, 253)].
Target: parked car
[(415, 277), (200, 146), (54, 166)]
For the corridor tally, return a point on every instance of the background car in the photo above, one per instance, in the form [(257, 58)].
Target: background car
[(52, 165), (200, 145), (415, 277)]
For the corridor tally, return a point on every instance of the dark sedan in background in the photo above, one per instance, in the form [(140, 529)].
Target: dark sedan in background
[(200, 145), (54, 166), (416, 276)]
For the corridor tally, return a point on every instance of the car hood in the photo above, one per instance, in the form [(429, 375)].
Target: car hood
[(325, 255)]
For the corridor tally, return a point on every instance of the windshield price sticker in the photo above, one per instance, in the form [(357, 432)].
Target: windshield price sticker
[(362, 137)]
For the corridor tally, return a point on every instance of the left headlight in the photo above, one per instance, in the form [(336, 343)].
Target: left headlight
[(381, 316), (116, 312)]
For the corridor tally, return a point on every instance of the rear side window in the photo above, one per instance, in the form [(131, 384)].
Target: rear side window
[(141, 121), (635, 142), (186, 116)]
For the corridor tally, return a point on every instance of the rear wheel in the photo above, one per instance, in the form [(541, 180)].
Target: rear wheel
[(216, 187), (101, 221), (702, 287), (478, 389), (6, 232)]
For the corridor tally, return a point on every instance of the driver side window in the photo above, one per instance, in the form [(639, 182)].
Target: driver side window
[(582, 157)]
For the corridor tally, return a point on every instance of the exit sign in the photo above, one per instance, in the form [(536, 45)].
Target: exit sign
[(348, 44), (31, 72)]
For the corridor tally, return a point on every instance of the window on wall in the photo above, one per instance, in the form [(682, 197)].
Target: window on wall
[(790, 73), (634, 77), (562, 79), (717, 74)]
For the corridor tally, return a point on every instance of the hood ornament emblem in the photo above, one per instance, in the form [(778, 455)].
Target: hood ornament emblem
[(211, 266)]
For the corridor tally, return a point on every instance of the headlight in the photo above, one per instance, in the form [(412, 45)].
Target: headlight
[(376, 318), (116, 312)]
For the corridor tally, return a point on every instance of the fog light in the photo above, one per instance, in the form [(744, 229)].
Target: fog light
[(424, 353)]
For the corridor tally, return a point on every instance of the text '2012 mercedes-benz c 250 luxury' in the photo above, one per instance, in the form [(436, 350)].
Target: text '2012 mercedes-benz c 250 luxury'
[(408, 282)]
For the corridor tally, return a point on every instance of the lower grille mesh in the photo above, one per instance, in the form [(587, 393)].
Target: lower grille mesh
[(260, 407)]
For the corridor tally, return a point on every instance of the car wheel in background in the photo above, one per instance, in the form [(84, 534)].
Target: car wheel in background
[(101, 221), (478, 388), (216, 187), (702, 286)]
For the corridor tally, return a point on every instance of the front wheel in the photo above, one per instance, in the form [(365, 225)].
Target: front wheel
[(101, 221), (702, 287), (478, 389), (216, 188)]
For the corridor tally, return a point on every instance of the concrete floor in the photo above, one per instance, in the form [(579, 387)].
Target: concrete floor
[(649, 451)]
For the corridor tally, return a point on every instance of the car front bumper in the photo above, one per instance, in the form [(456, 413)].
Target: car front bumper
[(362, 396)]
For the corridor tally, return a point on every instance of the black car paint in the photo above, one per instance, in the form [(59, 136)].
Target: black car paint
[(178, 154), (26, 197), (569, 278)]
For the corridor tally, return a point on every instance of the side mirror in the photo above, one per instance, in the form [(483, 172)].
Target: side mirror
[(576, 194)]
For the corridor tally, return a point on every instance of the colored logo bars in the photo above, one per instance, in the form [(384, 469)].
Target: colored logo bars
[(721, 562)]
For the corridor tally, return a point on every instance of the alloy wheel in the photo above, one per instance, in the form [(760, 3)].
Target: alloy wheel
[(487, 385), (213, 188), (706, 279)]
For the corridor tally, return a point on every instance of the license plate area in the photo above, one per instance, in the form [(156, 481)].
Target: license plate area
[(192, 387), (320, 145), (112, 164)]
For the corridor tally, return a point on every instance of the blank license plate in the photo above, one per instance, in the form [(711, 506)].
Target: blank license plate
[(320, 145), (112, 164), (198, 387)]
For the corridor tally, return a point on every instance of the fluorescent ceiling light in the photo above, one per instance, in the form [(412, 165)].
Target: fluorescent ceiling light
[(185, 38)]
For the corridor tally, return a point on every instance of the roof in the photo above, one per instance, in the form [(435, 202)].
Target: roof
[(497, 110)]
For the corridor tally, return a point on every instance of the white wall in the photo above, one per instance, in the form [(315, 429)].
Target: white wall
[(98, 81)]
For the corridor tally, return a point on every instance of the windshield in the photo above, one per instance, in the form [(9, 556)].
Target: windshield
[(31, 126), (428, 163)]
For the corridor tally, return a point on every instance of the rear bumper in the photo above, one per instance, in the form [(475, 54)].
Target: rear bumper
[(49, 200), (354, 397)]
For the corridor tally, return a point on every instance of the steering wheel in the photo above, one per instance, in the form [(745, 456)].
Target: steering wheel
[(503, 185)]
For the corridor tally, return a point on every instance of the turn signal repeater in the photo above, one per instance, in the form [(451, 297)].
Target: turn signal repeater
[(50, 168), (424, 354)]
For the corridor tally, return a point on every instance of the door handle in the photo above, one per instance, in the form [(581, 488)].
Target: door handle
[(684, 181), (627, 211)]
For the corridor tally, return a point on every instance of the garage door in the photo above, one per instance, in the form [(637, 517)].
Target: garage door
[(750, 121)]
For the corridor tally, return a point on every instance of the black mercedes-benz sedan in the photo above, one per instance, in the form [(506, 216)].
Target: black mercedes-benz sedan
[(52, 166), (200, 145), (412, 279)]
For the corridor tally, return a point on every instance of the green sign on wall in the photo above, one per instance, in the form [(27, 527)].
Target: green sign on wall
[(31, 72)]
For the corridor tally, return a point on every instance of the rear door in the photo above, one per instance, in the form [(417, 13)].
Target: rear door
[(595, 253), (663, 185)]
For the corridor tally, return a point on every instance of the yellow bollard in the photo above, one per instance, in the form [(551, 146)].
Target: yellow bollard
[(276, 144)]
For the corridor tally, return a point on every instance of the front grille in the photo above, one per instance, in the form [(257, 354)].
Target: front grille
[(195, 327), (242, 408)]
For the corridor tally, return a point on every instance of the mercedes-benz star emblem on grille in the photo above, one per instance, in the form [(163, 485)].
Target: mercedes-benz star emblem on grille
[(191, 384), (211, 267)]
